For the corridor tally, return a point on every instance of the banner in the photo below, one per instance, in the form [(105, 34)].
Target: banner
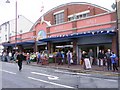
[(87, 63)]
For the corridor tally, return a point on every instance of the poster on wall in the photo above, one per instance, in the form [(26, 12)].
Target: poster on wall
[(87, 63)]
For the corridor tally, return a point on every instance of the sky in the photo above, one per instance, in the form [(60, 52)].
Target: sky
[(31, 8)]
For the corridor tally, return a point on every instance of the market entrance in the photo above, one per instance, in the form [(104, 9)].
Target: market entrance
[(95, 49)]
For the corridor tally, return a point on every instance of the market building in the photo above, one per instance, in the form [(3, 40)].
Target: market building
[(78, 26), (74, 26)]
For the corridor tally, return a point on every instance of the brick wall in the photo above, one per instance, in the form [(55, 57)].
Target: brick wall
[(71, 9)]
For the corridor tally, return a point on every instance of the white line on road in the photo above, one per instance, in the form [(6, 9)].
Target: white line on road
[(71, 72), (65, 86), (7, 71), (51, 77), (105, 79)]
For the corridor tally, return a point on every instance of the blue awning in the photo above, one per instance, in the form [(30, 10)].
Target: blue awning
[(31, 42), (106, 31)]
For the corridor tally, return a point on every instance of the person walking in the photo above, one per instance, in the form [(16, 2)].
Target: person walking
[(20, 58), (38, 57), (59, 57), (74, 58), (28, 58), (109, 64), (91, 56), (101, 57), (84, 56), (63, 57), (69, 58), (114, 61)]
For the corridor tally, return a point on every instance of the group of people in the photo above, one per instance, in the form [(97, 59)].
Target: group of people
[(108, 59), (69, 56)]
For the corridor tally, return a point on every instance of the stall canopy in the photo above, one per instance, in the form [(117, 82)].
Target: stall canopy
[(19, 43), (106, 31)]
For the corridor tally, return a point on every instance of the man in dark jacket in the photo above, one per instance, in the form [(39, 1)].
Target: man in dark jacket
[(59, 57), (20, 58), (109, 63)]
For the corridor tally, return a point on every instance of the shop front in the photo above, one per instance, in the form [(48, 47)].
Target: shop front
[(95, 43)]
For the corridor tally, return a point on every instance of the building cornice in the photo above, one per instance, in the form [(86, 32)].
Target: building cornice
[(66, 30)]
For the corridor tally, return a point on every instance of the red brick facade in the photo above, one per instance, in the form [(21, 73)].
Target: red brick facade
[(99, 18)]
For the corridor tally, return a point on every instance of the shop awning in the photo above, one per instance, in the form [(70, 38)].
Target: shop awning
[(19, 43), (106, 31)]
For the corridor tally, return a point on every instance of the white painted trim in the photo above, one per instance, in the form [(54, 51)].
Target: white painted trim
[(82, 19), (84, 12), (58, 12)]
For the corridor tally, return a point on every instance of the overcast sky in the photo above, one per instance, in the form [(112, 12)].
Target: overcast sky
[(31, 8)]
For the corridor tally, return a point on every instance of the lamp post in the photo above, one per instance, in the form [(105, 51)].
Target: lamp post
[(15, 22)]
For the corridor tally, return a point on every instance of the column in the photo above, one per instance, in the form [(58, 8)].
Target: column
[(118, 14), (75, 45), (114, 48), (49, 47)]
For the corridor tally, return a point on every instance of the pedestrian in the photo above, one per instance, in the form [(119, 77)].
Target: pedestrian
[(101, 57), (10, 56), (28, 58), (84, 56), (91, 56), (74, 58), (109, 64), (20, 58), (38, 57), (63, 57), (69, 58), (114, 61), (59, 57)]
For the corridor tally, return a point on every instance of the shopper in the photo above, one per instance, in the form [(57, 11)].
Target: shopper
[(109, 64), (20, 58), (59, 57), (28, 58), (91, 56), (114, 61), (74, 58), (69, 58)]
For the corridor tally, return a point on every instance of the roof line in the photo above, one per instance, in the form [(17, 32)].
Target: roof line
[(71, 4)]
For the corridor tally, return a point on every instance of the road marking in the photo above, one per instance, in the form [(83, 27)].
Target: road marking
[(65, 86), (106, 79), (7, 71), (71, 73), (51, 77)]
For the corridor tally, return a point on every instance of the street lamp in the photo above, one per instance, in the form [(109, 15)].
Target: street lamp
[(15, 22)]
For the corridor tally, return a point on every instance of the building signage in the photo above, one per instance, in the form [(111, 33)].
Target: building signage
[(41, 35)]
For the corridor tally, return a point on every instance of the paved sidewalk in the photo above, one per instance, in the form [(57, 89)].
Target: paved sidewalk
[(79, 68)]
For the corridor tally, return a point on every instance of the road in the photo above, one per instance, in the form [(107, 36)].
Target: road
[(39, 77)]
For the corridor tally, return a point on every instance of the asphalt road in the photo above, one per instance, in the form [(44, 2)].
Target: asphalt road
[(39, 77)]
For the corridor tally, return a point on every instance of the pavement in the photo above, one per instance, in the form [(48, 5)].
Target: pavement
[(79, 68)]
